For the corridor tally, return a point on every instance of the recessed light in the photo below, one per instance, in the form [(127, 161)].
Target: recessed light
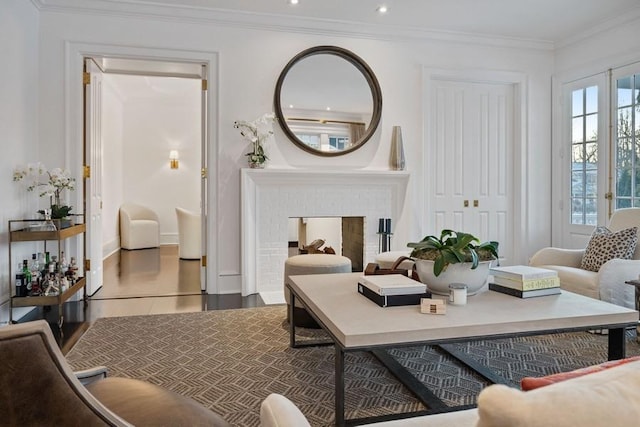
[(382, 9), (293, 1), (290, 105), (328, 108)]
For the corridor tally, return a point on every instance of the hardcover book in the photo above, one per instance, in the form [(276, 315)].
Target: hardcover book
[(392, 300), (393, 284), (528, 285), (523, 294), (522, 272)]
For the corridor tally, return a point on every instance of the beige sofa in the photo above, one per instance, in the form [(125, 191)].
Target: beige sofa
[(607, 398)]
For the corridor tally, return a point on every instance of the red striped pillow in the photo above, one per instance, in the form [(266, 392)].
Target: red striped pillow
[(530, 383)]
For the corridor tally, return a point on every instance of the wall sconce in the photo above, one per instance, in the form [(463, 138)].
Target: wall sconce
[(173, 159)]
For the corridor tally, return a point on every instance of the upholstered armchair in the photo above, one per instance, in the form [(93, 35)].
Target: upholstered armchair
[(606, 284), (189, 234), (139, 227), (37, 387)]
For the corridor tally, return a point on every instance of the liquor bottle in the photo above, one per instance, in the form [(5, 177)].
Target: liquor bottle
[(64, 265), (27, 274), (34, 268), (21, 287)]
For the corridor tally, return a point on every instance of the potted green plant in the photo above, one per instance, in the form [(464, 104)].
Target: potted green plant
[(454, 257)]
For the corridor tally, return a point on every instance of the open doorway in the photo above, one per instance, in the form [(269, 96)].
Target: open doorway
[(145, 129)]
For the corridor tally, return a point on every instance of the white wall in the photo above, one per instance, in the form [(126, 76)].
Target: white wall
[(250, 61), (18, 125)]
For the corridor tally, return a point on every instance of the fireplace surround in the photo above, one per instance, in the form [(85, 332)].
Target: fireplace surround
[(270, 196)]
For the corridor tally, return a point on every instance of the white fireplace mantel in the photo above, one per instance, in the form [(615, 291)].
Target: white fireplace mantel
[(271, 196)]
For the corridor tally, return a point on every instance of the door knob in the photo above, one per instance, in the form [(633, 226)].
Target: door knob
[(475, 203), (466, 203)]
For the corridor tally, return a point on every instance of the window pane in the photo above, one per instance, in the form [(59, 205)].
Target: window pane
[(576, 130), (624, 122), (623, 203), (592, 100), (591, 154), (623, 184), (624, 153), (591, 132), (591, 212), (577, 102), (577, 184), (624, 92), (577, 211), (577, 156), (592, 184)]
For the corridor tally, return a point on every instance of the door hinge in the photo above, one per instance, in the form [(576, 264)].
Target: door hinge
[(86, 78), (608, 196), (87, 265), (86, 171), (203, 172), (204, 260), (205, 84)]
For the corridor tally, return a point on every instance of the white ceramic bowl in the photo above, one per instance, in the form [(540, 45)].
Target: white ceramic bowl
[(475, 279)]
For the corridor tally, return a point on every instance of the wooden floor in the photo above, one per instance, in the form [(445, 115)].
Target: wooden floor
[(146, 281)]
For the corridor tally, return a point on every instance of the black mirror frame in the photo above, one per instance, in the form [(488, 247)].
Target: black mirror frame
[(368, 74)]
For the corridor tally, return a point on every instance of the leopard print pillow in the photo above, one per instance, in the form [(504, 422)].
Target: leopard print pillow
[(605, 245)]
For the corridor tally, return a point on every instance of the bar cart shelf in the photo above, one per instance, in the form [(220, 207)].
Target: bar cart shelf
[(30, 231)]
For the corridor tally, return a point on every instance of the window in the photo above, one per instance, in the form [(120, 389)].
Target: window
[(627, 157), (584, 155)]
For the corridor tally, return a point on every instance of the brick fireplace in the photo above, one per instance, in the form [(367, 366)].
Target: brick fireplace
[(271, 196)]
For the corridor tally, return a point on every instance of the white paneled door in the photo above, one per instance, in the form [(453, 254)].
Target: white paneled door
[(93, 183), (470, 160)]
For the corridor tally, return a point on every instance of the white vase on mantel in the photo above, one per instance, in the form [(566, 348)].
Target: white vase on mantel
[(396, 159)]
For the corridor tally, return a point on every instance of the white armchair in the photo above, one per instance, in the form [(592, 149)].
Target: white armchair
[(189, 234), (139, 227), (607, 284)]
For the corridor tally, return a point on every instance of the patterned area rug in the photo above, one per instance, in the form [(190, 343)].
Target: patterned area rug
[(230, 360)]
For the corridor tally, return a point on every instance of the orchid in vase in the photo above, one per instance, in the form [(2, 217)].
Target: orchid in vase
[(48, 183), (257, 132)]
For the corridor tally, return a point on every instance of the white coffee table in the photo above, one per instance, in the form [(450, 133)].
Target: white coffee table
[(354, 323)]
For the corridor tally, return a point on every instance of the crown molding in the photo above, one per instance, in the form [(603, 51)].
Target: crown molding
[(607, 25), (143, 9)]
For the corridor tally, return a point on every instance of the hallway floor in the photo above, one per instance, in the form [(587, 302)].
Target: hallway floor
[(146, 281)]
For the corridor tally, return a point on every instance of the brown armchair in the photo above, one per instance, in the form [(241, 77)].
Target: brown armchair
[(37, 387)]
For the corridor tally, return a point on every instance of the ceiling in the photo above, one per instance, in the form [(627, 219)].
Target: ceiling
[(543, 20)]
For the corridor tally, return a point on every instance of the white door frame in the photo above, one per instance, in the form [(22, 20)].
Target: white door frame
[(520, 143), (75, 53)]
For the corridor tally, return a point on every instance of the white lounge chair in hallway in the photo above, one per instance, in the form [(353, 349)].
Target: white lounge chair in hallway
[(139, 227)]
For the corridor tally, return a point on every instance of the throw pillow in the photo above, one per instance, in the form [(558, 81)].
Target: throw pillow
[(606, 398), (605, 245), (530, 383)]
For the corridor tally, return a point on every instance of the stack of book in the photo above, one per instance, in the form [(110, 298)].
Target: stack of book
[(388, 290), (524, 281)]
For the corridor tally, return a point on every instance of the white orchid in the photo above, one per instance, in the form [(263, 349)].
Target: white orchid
[(256, 131), (48, 183)]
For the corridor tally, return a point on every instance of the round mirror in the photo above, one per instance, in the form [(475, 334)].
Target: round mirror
[(328, 101)]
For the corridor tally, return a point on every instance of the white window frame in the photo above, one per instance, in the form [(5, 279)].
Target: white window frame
[(566, 234), (628, 70)]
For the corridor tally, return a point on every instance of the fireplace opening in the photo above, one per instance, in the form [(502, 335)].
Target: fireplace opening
[(340, 235)]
